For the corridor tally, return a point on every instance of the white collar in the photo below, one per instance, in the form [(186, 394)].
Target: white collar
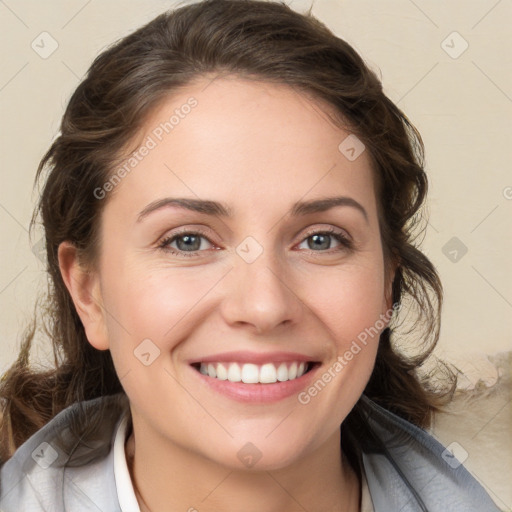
[(125, 493)]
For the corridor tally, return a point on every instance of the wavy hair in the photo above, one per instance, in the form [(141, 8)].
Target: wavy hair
[(251, 39)]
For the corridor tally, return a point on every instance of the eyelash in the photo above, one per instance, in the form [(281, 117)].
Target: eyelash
[(346, 243)]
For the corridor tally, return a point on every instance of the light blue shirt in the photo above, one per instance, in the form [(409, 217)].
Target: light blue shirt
[(62, 468)]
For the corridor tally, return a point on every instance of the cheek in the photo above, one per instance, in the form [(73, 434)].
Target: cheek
[(347, 300), (154, 303), (149, 314), (348, 305)]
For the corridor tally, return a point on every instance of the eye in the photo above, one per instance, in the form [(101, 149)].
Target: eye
[(188, 243), (322, 240)]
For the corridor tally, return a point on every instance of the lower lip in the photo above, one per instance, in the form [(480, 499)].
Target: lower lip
[(261, 393)]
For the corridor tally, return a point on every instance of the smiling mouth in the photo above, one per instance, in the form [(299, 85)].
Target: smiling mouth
[(250, 373)]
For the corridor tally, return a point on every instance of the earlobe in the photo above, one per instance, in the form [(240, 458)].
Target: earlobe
[(84, 289)]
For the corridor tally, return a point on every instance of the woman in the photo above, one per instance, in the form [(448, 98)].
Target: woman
[(229, 217)]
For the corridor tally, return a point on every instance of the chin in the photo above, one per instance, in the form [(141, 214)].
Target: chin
[(256, 455)]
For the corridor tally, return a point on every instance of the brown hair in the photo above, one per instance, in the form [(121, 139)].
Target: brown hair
[(252, 39)]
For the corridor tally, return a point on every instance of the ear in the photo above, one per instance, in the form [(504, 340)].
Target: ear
[(387, 303), (84, 287)]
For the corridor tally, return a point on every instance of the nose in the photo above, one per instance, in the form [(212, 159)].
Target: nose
[(261, 295)]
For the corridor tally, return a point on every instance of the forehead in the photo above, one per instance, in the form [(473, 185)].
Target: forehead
[(248, 140)]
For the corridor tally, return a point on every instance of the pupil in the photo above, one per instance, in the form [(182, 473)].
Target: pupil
[(325, 245), (188, 246)]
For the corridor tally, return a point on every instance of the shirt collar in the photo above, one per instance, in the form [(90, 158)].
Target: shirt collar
[(125, 492)]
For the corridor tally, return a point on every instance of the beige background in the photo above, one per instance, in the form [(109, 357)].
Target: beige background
[(461, 101)]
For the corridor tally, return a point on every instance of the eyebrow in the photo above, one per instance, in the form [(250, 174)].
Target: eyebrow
[(222, 210)]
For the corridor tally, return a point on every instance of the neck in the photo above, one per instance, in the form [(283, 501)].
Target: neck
[(176, 479)]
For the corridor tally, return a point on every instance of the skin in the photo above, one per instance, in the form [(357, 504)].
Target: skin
[(259, 148)]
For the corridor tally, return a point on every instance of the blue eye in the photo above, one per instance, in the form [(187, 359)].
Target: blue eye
[(189, 243), (319, 239)]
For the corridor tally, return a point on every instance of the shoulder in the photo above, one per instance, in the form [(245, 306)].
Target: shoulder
[(407, 469), (67, 464)]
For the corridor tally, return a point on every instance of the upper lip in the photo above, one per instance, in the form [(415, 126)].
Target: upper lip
[(254, 357)]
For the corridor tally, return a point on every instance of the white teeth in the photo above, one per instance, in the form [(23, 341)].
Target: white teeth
[(212, 372), (282, 372), (234, 374), (292, 372), (252, 373), (222, 373), (268, 374)]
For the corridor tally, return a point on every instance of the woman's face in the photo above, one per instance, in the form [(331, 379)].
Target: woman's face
[(250, 274)]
